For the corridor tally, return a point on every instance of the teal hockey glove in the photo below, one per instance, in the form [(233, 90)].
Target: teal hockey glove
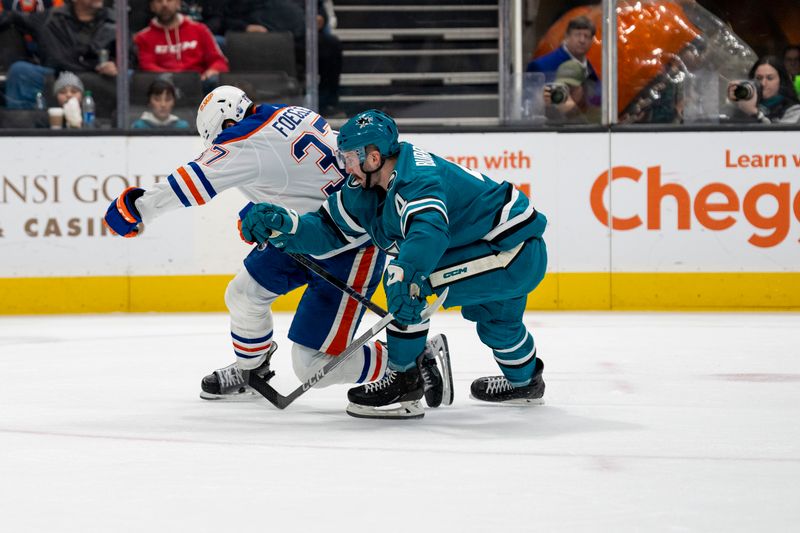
[(267, 221), (406, 290), (242, 214)]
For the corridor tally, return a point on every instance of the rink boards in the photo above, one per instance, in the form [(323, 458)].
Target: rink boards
[(689, 220)]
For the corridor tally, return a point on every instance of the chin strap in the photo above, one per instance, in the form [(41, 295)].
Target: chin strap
[(370, 173)]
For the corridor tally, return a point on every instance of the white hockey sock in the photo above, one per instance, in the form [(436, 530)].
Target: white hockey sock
[(374, 362), (251, 320), (250, 352), (367, 364)]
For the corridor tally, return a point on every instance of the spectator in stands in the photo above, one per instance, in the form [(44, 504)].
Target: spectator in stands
[(161, 99), (79, 37), (791, 60), (28, 6), (575, 107), (288, 15), (175, 43), (221, 16), (774, 101), (66, 87), (328, 15), (283, 16), (577, 41), (68, 90)]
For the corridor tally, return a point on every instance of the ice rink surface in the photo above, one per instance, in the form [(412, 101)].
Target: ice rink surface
[(653, 422)]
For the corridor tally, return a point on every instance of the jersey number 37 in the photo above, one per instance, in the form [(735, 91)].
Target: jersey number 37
[(326, 162)]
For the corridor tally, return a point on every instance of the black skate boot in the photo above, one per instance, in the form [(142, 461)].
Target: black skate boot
[(436, 374), (230, 383), (497, 389), (406, 388)]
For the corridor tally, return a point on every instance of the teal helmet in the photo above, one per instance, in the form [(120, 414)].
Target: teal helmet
[(369, 127)]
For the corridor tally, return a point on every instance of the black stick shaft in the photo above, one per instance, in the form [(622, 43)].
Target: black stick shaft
[(339, 284), (282, 402)]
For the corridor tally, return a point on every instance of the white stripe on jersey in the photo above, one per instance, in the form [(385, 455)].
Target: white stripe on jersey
[(292, 165), (364, 239), (337, 323), (344, 214), (522, 217), (191, 185)]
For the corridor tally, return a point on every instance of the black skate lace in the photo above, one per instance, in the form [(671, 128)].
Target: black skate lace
[(382, 383), (428, 360), (426, 376), (230, 376), (497, 384)]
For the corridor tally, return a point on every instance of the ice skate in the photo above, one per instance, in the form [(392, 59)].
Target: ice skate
[(230, 383), (375, 400), (436, 373), (497, 389)]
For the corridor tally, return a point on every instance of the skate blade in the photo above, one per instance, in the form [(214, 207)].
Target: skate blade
[(406, 410), (441, 354), (247, 396), (522, 401), (443, 358)]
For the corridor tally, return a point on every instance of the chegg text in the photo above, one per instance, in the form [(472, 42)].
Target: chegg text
[(710, 206)]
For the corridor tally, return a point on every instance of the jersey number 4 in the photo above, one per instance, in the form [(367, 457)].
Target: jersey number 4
[(326, 161)]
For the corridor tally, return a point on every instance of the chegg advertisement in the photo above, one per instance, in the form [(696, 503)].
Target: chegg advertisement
[(767, 206), (672, 202), (714, 202)]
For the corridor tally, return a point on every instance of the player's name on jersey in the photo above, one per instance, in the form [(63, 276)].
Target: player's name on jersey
[(423, 158), (289, 118)]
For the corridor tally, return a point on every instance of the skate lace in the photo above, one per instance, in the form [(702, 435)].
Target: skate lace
[(426, 376), (230, 376), (382, 383), (497, 384)]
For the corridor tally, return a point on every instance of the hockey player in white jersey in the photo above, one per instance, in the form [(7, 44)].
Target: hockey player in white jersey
[(281, 154)]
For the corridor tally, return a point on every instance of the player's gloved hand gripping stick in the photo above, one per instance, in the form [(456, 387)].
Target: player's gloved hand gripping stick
[(281, 402), (406, 290), (276, 224)]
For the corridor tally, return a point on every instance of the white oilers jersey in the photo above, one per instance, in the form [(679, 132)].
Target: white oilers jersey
[(279, 154)]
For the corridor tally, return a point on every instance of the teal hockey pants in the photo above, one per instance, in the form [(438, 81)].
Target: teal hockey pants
[(491, 287)]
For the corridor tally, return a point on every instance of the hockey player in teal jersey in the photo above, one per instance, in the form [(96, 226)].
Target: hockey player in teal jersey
[(445, 226)]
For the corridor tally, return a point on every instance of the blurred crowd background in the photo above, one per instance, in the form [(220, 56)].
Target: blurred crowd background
[(146, 64)]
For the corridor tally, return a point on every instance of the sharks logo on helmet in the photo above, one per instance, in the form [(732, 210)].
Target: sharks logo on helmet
[(371, 127)]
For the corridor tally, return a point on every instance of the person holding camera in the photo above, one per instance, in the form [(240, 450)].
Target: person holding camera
[(566, 99), (767, 96), (578, 39)]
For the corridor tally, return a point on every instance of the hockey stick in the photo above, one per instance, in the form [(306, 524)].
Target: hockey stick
[(339, 284), (282, 402), (314, 267)]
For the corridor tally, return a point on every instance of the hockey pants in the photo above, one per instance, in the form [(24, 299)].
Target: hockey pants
[(494, 299)]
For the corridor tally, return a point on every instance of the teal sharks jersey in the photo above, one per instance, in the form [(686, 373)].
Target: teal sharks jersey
[(432, 205)]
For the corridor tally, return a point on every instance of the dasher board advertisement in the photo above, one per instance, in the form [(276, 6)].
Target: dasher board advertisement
[(636, 220)]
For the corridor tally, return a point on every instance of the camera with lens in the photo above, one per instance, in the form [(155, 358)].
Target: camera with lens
[(558, 92), (745, 90)]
